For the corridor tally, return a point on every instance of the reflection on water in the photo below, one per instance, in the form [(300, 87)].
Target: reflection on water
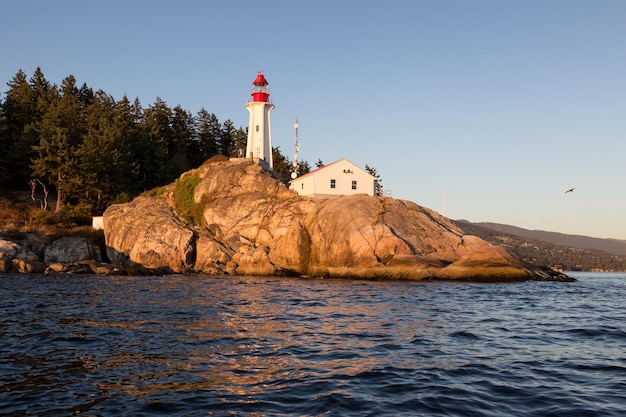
[(188, 345)]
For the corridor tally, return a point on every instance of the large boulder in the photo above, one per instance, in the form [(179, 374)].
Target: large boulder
[(147, 233), (375, 237), (252, 224), (71, 249)]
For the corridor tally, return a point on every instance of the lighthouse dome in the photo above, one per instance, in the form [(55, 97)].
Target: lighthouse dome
[(260, 91), (260, 80)]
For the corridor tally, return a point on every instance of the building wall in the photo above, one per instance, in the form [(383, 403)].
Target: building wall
[(346, 177), (97, 222)]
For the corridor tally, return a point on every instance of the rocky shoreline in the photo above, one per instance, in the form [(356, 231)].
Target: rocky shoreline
[(76, 255), (234, 218), (65, 255)]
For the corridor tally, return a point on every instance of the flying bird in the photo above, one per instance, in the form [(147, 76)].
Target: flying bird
[(570, 190)]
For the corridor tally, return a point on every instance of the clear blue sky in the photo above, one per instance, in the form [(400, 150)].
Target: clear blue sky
[(504, 104)]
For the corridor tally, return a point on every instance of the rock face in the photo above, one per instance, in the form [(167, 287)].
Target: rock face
[(15, 258), (67, 254), (146, 232), (71, 249), (253, 225)]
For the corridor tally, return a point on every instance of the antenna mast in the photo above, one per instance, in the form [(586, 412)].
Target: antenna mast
[(294, 173)]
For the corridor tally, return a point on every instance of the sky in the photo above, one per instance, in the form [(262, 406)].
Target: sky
[(483, 110)]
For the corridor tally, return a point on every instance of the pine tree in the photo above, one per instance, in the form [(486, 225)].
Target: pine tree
[(129, 136), (282, 166), (228, 146), (378, 185), (183, 132), (5, 143), (208, 131), (102, 155), (303, 167), (241, 139), (55, 160), (153, 153), (44, 93), (19, 113)]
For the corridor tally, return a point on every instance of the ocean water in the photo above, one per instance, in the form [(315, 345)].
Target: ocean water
[(250, 346)]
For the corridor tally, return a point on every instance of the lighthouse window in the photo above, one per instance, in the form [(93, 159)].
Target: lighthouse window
[(257, 128), (354, 185), (333, 184)]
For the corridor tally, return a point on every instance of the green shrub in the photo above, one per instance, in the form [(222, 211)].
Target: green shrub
[(78, 214), (40, 217), (155, 192), (184, 198)]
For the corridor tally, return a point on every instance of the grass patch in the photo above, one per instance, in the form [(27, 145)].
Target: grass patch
[(186, 207), (155, 192)]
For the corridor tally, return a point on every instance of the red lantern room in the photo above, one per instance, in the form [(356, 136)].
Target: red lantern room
[(260, 92)]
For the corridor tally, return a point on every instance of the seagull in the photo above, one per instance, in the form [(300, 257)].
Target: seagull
[(570, 190)]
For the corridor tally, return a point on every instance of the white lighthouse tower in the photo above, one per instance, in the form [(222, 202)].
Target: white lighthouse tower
[(259, 145)]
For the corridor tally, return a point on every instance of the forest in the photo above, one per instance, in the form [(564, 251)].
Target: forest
[(77, 150)]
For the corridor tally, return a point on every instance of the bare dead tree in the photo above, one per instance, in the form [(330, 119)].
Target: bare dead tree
[(33, 185)]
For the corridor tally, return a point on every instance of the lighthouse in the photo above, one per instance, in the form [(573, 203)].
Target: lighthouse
[(259, 146)]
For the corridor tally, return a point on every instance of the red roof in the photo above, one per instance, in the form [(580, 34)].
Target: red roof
[(318, 169), (260, 80)]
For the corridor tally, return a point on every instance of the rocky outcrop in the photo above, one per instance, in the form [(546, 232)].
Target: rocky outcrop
[(147, 233), (15, 258), (67, 254), (71, 249), (251, 224)]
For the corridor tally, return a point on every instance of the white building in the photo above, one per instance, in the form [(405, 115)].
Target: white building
[(341, 177), (259, 145)]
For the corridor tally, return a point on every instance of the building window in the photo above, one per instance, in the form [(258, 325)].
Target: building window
[(333, 184), (354, 185), (257, 128)]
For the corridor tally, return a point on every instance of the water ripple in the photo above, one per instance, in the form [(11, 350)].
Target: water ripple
[(183, 346)]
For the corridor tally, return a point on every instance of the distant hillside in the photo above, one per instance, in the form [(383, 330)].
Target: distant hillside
[(543, 253), (613, 246)]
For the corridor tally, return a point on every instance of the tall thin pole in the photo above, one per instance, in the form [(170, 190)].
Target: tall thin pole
[(294, 173)]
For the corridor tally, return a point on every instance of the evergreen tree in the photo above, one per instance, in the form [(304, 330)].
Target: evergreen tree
[(282, 166), (21, 108), (60, 134), (319, 163), (183, 132), (55, 161), (86, 96), (378, 185), (102, 156), (129, 137), (44, 93), (228, 145), (241, 140), (5, 143), (18, 107), (153, 153), (303, 167), (208, 133)]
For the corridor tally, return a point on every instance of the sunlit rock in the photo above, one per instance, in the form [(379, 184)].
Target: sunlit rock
[(247, 222)]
